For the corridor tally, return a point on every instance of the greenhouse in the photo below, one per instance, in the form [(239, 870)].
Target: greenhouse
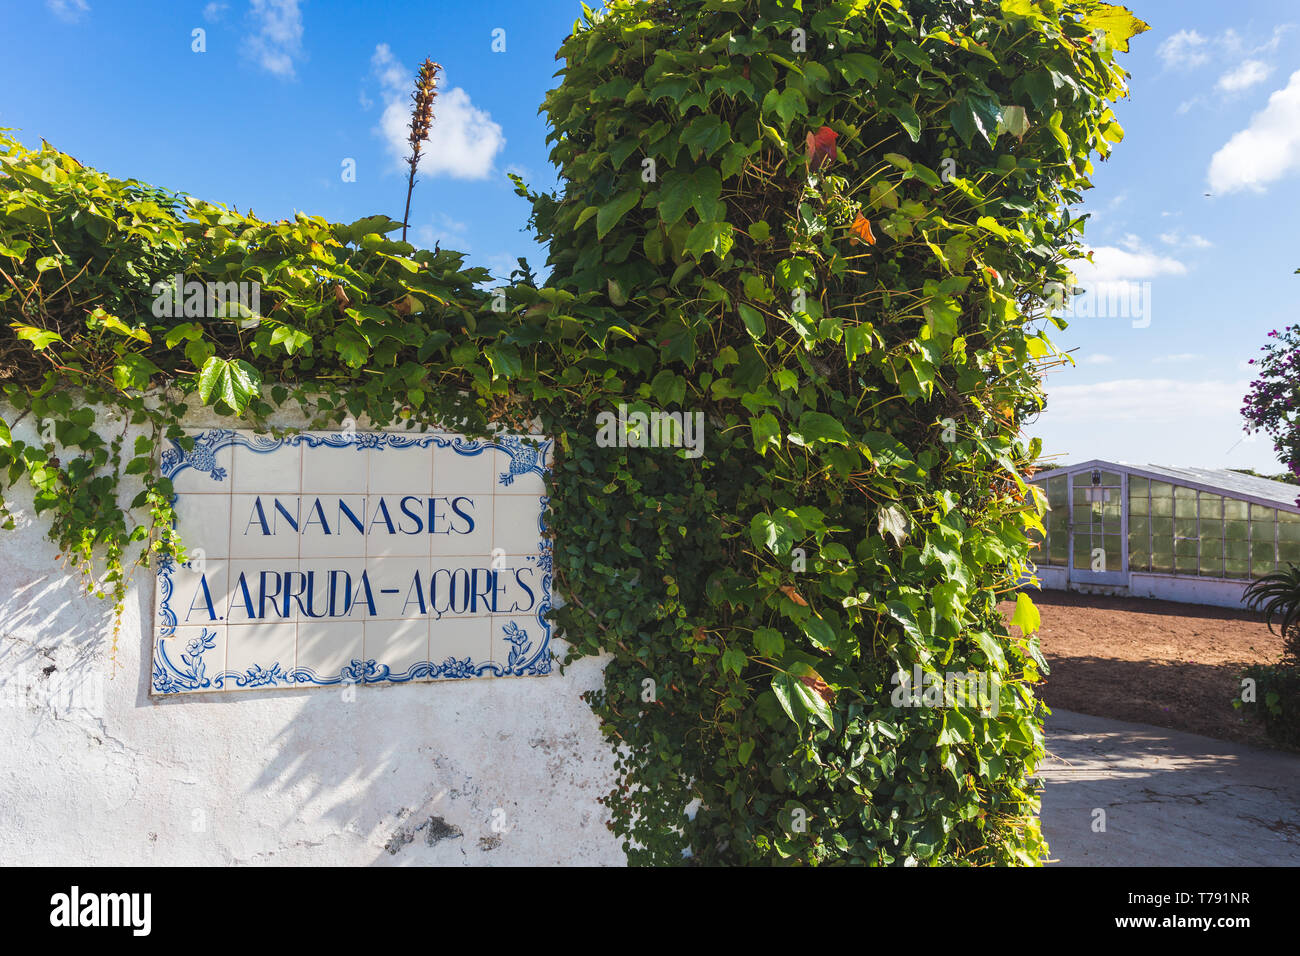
[(1197, 535)]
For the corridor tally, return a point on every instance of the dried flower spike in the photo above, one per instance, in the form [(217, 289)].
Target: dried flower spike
[(426, 90)]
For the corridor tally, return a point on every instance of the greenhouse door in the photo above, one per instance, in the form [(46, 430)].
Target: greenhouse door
[(1097, 552)]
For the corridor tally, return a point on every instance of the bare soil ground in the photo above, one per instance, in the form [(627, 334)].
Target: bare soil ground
[(1152, 662)]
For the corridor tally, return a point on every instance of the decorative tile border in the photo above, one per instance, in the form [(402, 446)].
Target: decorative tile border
[(190, 658)]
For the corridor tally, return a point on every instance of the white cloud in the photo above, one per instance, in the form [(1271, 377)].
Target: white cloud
[(1150, 401), (214, 11), (1183, 50), (444, 231), (278, 40), (1099, 358), (1242, 77), (1159, 420), (1190, 241), (1264, 151), (1170, 421), (464, 140), (69, 11), (1112, 264)]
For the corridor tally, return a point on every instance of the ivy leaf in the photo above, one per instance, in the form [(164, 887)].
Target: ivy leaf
[(232, 382), (817, 427), (769, 642), (714, 237), (755, 324), (40, 338), (614, 210), (1026, 616), (906, 115), (891, 520)]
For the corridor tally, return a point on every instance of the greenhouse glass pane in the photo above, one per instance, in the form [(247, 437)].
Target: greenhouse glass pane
[(1111, 478), (1139, 561), (1187, 548), (1138, 528), (1288, 527), (1260, 513), (1184, 503), (1161, 489), (1162, 561), (1262, 551), (1211, 569), (1185, 527), (1082, 553), (1137, 486), (1211, 549), (1059, 551), (1056, 492), (1235, 530), (1211, 506), (1234, 510), (1163, 528), (1236, 551), (1162, 506), (1187, 565), (1138, 504), (1114, 546), (1259, 567), (1288, 552), (1261, 530), (1236, 568), (1113, 511), (1083, 479)]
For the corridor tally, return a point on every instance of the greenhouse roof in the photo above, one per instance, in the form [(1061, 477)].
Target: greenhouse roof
[(1215, 480)]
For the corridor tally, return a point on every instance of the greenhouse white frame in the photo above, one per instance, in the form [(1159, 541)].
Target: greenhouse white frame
[(1212, 566)]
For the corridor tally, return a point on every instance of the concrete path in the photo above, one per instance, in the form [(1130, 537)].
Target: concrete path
[(1170, 798)]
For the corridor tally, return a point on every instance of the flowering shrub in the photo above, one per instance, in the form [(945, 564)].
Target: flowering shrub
[(1270, 405)]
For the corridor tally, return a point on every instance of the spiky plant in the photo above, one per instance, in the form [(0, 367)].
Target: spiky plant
[(1277, 596), (426, 90)]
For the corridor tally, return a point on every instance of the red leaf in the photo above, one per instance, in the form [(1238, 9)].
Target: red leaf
[(821, 147)]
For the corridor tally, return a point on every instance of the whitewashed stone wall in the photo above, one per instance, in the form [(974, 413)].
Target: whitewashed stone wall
[(94, 771)]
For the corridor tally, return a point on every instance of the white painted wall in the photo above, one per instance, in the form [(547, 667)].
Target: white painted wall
[(1184, 589), (1190, 590), (410, 774)]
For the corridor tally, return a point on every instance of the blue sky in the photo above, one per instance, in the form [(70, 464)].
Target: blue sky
[(287, 90)]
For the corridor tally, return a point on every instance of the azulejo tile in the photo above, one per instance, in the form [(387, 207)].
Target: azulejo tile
[(191, 659), (399, 649), (207, 468), (319, 567), (332, 651), (520, 646)]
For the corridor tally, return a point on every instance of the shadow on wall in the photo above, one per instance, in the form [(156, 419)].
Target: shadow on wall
[(483, 771), (489, 771)]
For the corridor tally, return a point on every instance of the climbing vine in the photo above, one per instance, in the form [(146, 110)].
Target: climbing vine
[(826, 229), (125, 305)]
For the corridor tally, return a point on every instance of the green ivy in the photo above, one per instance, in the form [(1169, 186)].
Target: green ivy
[(862, 336), (350, 324)]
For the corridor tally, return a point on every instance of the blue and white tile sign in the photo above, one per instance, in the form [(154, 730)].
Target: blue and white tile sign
[(333, 558)]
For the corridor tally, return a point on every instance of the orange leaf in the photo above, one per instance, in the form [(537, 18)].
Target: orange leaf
[(789, 591), (862, 229), (818, 686)]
